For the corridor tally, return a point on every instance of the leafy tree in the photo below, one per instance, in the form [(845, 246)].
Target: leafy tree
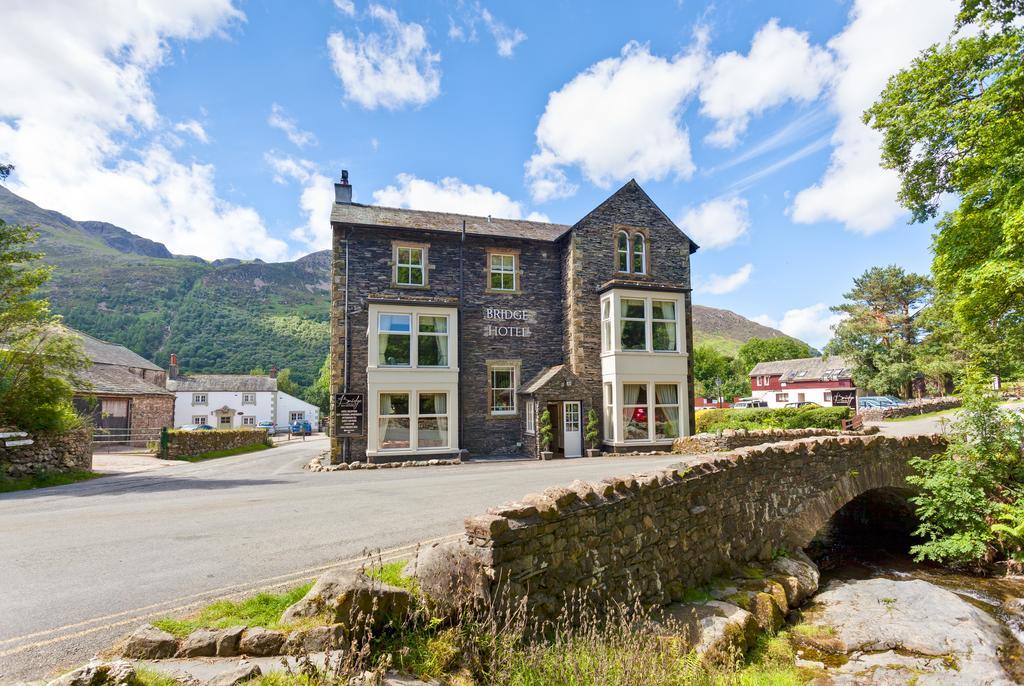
[(319, 393), (285, 383), (881, 328), (257, 371), (758, 350), (38, 358), (953, 129), (718, 374)]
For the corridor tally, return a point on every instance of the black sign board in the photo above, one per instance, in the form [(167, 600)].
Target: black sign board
[(348, 413), (844, 398)]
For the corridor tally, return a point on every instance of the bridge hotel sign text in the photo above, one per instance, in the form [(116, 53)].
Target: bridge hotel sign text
[(507, 323)]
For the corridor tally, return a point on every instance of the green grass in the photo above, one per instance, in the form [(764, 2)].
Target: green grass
[(214, 454), (262, 609), (147, 677), (45, 480), (391, 573), (925, 415)]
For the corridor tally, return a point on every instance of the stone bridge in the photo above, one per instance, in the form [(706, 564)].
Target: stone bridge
[(651, 536)]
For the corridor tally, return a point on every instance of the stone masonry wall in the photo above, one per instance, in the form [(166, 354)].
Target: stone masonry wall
[(70, 451), (150, 413), (730, 439), (190, 443), (651, 536), (911, 408)]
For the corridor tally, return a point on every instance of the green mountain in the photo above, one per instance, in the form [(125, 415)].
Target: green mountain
[(226, 316)]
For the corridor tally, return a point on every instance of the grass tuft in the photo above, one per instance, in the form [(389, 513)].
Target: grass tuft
[(262, 609), (390, 573), (148, 677), (46, 480)]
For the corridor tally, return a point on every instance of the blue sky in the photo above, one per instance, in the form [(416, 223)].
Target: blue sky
[(218, 126)]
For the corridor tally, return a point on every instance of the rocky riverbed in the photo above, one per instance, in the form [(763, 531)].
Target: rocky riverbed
[(894, 622)]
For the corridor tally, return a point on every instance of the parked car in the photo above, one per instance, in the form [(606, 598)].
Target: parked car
[(271, 427), (302, 429), (803, 403), (746, 403), (879, 401), (195, 427)]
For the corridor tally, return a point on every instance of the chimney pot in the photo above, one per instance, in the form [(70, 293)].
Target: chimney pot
[(172, 368), (343, 190), (273, 372)]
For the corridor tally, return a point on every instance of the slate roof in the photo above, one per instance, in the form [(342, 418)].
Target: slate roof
[(102, 352), (805, 369), (373, 215), (110, 379), (222, 382)]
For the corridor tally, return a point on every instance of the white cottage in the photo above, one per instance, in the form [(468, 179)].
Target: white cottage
[(229, 401)]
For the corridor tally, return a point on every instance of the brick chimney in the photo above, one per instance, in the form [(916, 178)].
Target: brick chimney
[(343, 190), (273, 372), (172, 369)]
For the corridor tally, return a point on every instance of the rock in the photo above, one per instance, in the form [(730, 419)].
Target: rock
[(450, 575), (318, 639), (714, 629), (799, 577), (390, 679), (98, 673), (260, 642), (199, 643), (150, 643), (244, 672), (947, 639), (353, 600), (228, 641)]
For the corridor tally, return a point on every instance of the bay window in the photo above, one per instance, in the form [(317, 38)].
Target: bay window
[(663, 325), (651, 411), (432, 421), (394, 421), (644, 323), (606, 325), (432, 341), (666, 411), (395, 336), (633, 325), (635, 416)]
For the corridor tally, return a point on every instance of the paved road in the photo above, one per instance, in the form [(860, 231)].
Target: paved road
[(81, 565), (934, 424)]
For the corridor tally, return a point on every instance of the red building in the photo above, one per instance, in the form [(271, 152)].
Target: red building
[(822, 380)]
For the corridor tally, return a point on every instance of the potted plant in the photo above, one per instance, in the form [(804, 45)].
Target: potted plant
[(544, 435), (593, 434)]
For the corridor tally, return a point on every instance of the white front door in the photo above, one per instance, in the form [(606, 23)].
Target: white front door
[(572, 429)]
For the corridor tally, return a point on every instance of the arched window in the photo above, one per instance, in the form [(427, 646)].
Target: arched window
[(639, 254), (623, 251)]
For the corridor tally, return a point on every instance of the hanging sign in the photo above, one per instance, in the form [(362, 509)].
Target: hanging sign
[(348, 414)]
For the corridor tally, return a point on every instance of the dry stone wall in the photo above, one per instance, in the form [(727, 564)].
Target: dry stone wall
[(190, 443), (730, 439), (48, 452), (651, 536)]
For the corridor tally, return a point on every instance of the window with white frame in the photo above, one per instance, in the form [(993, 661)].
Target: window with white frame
[(248, 398), (651, 411), (666, 411), (394, 422), (199, 399), (609, 412), (632, 324), (663, 326), (432, 420), (395, 334), (296, 416), (782, 397), (410, 265), (827, 397), (531, 416), (502, 275), (606, 324), (635, 412), (200, 419), (622, 251), (503, 389), (248, 421), (639, 254)]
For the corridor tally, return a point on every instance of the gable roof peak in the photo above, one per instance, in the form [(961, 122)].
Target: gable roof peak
[(633, 187)]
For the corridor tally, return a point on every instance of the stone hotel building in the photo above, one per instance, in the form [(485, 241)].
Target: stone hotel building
[(453, 333)]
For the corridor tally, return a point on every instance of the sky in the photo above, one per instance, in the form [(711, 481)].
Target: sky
[(219, 126)]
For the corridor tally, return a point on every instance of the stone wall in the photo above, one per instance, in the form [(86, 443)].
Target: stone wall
[(730, 439), (911, 408), (651, 536), (150, 413), (190, 443), (70, 451)]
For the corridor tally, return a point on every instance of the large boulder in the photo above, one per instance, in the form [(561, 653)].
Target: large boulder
[(711, 628), (449, 574), (199, 643), (352, 599), (245, 671), (798, 575), (98, 673), (260, 642), (317, 639), (150, 643)]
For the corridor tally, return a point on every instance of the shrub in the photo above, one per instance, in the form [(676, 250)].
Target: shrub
[(544, 430), (593, 433), (806, 417)]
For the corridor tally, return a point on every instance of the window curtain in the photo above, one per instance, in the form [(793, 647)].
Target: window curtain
[(666, 414)]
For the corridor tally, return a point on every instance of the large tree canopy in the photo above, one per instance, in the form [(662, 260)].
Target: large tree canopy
[(953, 128), (758, 350)]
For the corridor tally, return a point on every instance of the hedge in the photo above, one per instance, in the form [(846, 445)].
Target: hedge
[(709, 421)]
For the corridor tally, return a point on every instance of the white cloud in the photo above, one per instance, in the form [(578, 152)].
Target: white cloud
[(720, 285), (855, 190), (79, 119), (619, 118), (194, 129), (346, 7), (782, 65), (814, 324), (391, 69), (718, 223), (315, 201), (279, 120), (506, 38), (451, 195)]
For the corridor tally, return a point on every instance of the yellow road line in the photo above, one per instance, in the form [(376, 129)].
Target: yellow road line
[(199, 598)]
